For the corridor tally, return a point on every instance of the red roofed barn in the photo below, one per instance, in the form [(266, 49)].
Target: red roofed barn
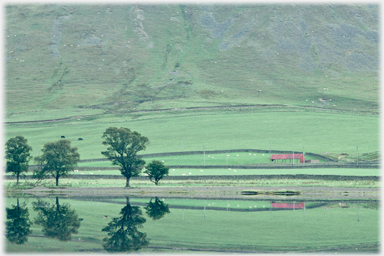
[(284, 157)]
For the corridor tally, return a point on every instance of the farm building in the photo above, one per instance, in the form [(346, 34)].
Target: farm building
[(312, 161), (288, 205), (284, 157)]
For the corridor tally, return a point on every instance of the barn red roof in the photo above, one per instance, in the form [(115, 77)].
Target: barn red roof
[(289, 156), (288, 205)]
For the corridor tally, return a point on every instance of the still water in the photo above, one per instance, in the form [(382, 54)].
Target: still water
[(132, 224)]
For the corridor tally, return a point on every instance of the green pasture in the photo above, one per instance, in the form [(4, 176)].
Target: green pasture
[(216, 130), (324, 228), (235, 171), (237, 158)]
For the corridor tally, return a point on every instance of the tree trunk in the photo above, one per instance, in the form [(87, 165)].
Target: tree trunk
[(57, 204), (57, 180), (127, 182), (18, 206), (17, 182)]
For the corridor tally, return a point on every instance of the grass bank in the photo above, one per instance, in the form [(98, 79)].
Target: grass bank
[(228, 171), (120, 183)]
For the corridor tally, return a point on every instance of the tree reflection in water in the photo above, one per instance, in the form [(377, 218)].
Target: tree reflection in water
[(157, 209), (18, 224), (123, 233), (58, 221)]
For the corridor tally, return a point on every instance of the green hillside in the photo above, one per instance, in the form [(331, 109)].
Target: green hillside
[(174, 71), (120, 58)]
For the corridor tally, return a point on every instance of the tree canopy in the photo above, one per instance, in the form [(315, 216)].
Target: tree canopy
[(156, 170), (58, 159), (123, 146), (17, 155)]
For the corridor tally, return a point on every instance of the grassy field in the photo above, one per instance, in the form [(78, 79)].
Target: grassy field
[(213, 57), (237, 158), (216, 130), (331, 227), (226, 171)]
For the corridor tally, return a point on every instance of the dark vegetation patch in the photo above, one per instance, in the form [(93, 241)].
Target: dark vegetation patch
[(208, 94), (364, 157), (184, 82)]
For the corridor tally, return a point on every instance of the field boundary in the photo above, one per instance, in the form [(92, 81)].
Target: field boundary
[(218, 152)]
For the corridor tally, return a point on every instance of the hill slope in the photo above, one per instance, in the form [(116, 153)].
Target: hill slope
[(89, 59)]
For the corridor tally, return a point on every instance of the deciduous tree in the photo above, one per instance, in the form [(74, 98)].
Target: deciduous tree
[(17, 156), (123, 145), (58, 159), (156, 170)]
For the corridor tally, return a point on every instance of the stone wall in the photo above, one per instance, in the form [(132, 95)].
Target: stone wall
[(220, 152)]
